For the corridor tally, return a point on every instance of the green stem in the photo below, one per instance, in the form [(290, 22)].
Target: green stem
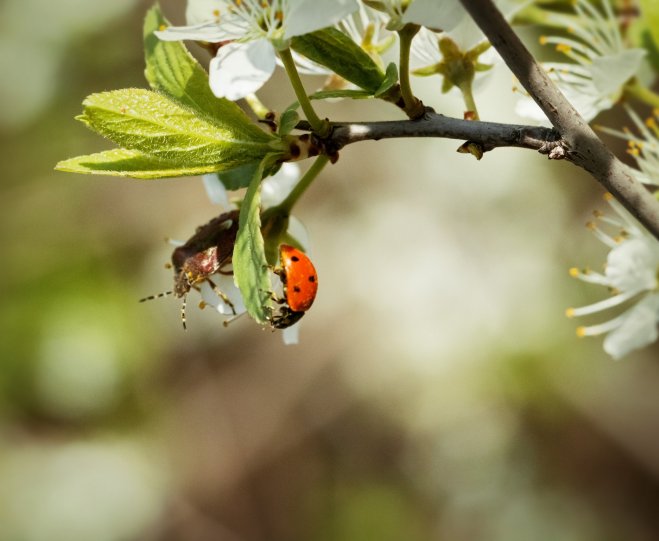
[(286, 206), (468, 97), (642, 93), (412, 103), (257, 106), (321, 127)]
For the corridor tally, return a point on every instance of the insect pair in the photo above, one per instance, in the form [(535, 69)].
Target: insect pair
[(210, 251)]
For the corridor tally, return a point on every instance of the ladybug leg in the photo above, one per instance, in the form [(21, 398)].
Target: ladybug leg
[(222, 296)]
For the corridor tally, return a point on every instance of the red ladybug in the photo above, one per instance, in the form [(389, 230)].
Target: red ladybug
[(300, 281)]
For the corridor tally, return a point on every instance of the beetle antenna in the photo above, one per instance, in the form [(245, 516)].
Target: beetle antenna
[(183, 304), (158, 296)]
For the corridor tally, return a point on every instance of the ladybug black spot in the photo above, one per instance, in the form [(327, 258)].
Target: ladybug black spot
[(312, 279), (296, 289), (295, 258)]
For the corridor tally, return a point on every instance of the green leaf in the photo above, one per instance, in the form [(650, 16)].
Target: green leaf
[(390, 79), (346, 93), (250, 267), (153, 124), (120, 162), (335, 50), (650, 12), (172, 70)]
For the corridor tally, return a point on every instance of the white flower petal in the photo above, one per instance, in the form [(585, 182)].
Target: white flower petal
[(201, 11), (291, 335), (208, 31), (610, 73), (276, 188), (240, 69), (638, 329), (633, 264), (306, 16), (436, 14), (216, 191), (226, 285)]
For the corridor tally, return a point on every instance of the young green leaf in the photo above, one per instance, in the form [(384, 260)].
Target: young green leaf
[(390, 79), (333, 49), (172, 70), (153, 124), (250, 266), (288, 120), (120, 162)]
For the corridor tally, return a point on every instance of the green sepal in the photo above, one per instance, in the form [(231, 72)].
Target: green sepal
[(120, 162), (153, 124), (239, 177), (335, 50), (346, 93), (390, 79), (250, 267)]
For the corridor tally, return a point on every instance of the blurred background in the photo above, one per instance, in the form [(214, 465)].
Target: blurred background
[(438, 391)]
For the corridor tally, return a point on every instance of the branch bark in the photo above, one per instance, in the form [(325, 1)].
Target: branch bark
[(488, 135), (584, 148)]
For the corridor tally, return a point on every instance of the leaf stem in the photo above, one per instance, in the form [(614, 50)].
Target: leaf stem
[(643, 93), (286, 206), (321, 127), (413, 106)]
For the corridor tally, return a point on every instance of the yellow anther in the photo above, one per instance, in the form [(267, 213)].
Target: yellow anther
[(581, 332), (202, 305), (543, 40), (162, 27), (574, 272), (569, 313), (598, 213), (608, 197), (563, 48), (650, 122), (591, 226)]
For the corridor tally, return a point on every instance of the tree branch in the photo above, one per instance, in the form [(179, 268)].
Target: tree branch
[(584, 148), (488, 135)]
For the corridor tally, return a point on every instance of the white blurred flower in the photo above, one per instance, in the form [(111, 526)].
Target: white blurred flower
[(631, 274), (366, 27), (435, 14), (254, 30), (274, 190), (601, 66), (643, 148)]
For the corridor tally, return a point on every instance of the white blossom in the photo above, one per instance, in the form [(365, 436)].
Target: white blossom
[(644, 148), (601, 61), (250, 32), (632, 276), (436, 14)]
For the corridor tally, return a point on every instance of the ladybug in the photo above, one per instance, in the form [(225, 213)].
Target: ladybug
[(300, 280), (208, 251)]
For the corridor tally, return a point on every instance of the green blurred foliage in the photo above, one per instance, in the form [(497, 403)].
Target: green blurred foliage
[(438, 392)]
